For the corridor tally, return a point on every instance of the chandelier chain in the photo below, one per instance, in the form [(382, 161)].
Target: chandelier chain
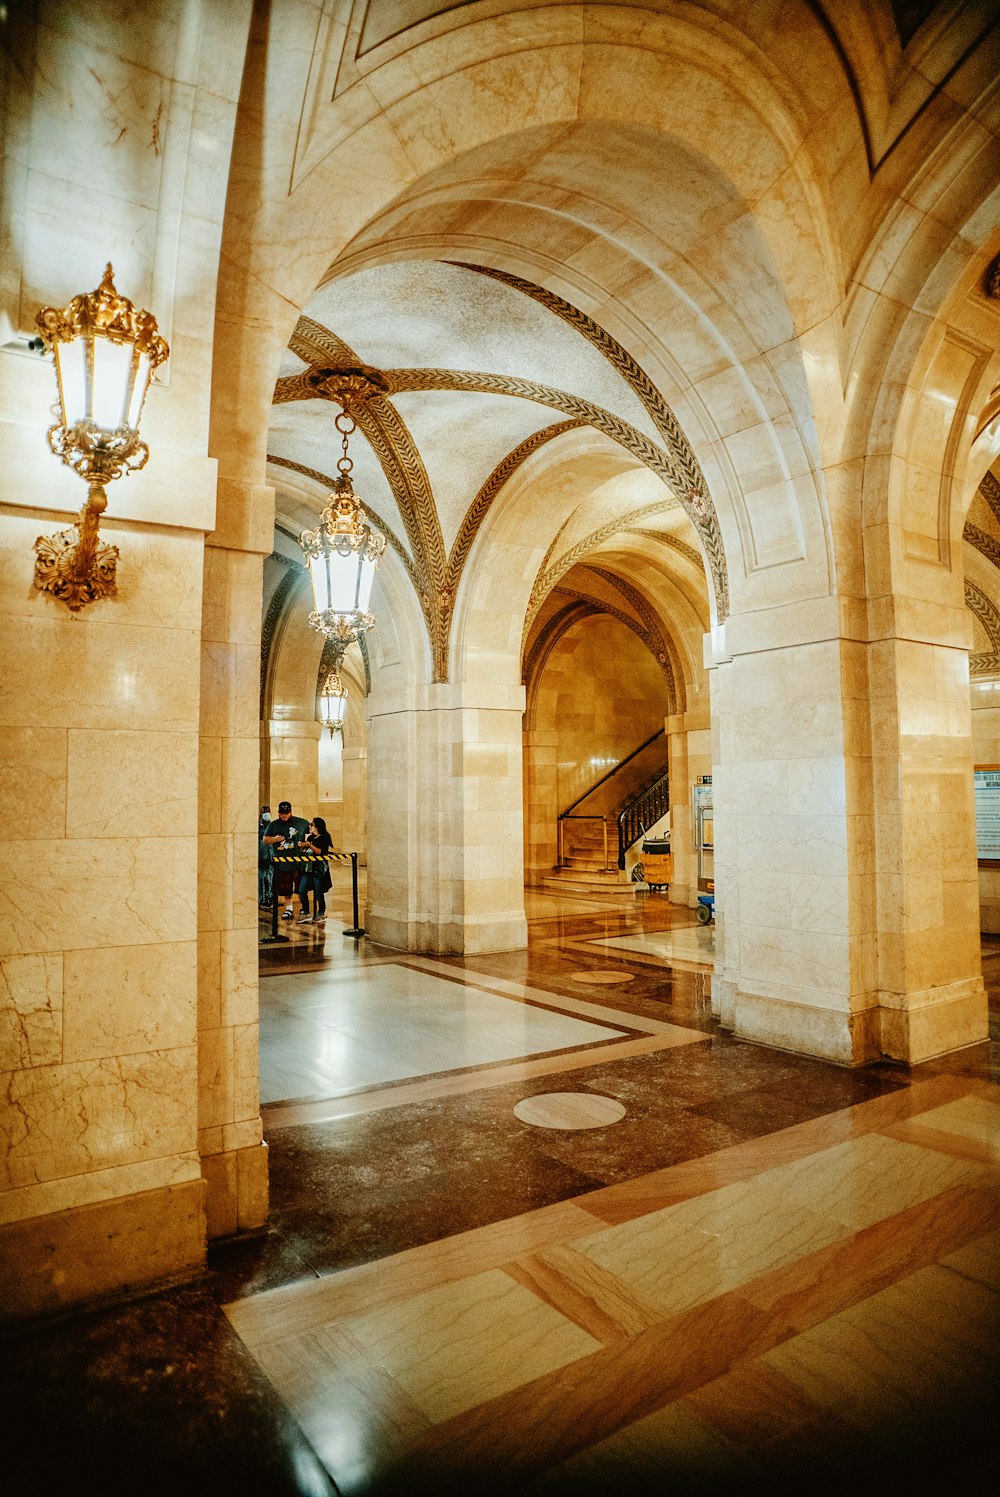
[(346, 425)]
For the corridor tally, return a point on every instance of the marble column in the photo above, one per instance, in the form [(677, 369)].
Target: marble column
[(233, 1156), (847, 899), (793, 855), (445, 833), (931, 992)]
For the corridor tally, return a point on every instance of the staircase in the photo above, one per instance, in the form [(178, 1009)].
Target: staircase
[(590, 829), (645, 811)]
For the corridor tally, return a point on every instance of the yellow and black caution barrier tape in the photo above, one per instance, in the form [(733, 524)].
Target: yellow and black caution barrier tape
[(315, 857), (303, 859)]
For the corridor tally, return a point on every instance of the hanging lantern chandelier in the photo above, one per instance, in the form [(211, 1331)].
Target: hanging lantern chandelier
[(333, 703), (343, 553)]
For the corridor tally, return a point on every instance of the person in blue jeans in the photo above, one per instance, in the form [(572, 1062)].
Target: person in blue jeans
[(315, 877)]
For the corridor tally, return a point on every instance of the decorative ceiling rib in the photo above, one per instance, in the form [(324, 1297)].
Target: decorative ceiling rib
[(986, 612), (435, 575), (695, 496), (983, 543), (655, 458)]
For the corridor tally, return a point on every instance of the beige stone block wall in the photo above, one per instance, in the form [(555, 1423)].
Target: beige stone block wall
[(295, 766), (98, 734), (228, 1108)]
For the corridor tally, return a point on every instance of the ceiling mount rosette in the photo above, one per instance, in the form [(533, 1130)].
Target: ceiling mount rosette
[(349, 387)]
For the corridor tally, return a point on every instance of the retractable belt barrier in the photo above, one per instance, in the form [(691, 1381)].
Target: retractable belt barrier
[(285, 858)]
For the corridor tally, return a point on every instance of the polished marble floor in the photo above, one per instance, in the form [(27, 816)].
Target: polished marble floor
[(538, 1226)]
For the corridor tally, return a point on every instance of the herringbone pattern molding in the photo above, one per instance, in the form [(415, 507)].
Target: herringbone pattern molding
[(663, 417)]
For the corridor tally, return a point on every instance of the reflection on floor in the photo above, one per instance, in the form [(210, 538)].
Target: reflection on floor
[(325, 1033), (759, 1271), (693, 945)]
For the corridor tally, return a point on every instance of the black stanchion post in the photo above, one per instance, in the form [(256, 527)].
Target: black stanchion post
[(357, 930), (274, 936)]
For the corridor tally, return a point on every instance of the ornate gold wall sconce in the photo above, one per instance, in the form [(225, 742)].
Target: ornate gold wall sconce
[(105, 352), (343, 553)]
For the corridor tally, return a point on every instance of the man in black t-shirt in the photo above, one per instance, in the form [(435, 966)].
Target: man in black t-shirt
[(284, 835)]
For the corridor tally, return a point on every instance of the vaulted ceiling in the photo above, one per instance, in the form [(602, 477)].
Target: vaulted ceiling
[(468, 373)]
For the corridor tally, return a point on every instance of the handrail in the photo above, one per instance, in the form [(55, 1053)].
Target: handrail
[(644, 811), (605, 777)]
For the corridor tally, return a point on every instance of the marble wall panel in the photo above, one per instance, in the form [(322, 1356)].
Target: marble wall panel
[(135, 783), (127, 1000), (111, 676), (80, 1116), (31, 1010), (64, 895), (33, 769)]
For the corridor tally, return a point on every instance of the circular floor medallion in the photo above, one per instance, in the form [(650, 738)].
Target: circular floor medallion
[(601, 978), (569, 1110)]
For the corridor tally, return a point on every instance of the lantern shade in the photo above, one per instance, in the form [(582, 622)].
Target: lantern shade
[(71, 373), (105, 352), (341, 584), (343, 554)]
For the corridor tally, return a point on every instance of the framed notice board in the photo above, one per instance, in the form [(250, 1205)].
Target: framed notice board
[(986, 779)]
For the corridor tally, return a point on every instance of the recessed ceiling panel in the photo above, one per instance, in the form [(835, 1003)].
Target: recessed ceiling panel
[(462, 438), (422, 314)]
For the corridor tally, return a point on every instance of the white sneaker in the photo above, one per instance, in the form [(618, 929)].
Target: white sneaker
[(288, 915), (305, 920)]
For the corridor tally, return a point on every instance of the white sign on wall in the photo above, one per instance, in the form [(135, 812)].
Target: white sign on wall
[(987, 787)]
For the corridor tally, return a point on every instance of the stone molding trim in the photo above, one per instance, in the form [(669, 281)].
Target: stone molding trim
[(674, 542)]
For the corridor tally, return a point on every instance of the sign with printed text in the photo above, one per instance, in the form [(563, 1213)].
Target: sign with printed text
[(987, 787)]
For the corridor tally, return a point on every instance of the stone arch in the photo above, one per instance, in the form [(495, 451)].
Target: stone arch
[(692, 72)]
